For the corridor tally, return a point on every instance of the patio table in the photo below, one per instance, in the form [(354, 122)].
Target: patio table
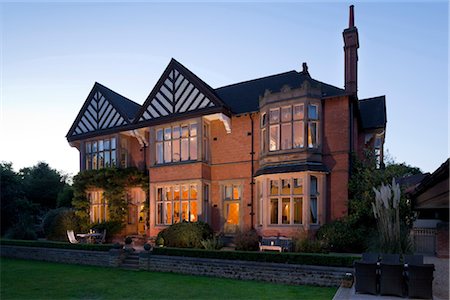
[(90, 237)]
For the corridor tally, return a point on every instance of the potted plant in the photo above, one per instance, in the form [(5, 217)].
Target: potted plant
[(347, 280)]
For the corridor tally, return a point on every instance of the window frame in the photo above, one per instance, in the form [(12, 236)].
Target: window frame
[(186, 140), (92, 153), (161, 215)]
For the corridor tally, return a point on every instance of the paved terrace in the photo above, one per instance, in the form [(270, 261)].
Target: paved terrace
[(440, 284)]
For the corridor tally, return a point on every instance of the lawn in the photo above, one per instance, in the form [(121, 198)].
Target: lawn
[(25, 279)]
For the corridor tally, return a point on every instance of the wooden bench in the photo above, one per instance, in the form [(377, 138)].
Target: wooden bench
[(275, 243)]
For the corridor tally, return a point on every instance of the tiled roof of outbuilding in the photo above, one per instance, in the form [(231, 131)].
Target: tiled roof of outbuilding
[(373, 112), (244, 96)]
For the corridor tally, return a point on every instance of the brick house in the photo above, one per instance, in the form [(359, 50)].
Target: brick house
[(272, 153)]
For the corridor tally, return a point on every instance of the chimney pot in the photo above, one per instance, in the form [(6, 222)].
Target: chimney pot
[(305, 68), (351, 19)]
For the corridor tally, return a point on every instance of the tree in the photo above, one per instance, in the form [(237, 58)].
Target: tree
[(65, 197), (42, 184), (10, 191)]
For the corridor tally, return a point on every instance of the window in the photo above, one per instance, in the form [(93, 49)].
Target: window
[(313, 118), (313, 200), (176, 203), (286, 127), (206, 201), (100, 154), (377, 150), (176, 143), (232, 195), (286, 201), (98, 207)]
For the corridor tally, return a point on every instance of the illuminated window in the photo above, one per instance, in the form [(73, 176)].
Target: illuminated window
[(177, 203), (98, 207), (232, 195), (286, 127), (176, 143), (286, 201), (100, 154)]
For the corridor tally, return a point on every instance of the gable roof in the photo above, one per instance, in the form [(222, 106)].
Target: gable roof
[(179, 92), (373, 112), (102, 111), (244, 96)]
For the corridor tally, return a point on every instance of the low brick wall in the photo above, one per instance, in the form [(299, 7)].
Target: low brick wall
[(82, 257), (271, 272)]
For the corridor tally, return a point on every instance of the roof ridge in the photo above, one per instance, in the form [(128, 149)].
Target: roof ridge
[(256, 79), (104, 86)]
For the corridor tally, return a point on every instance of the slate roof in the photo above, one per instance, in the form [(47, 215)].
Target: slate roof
[(244, 96), (126, 106), (373, 112)]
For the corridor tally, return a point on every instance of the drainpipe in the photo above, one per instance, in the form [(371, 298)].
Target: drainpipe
[(252, 183)]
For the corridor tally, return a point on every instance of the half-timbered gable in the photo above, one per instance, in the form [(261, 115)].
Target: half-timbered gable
[(103, 111), (179, 93)]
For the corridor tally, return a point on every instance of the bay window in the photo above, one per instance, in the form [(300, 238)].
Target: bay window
[(287, 127), (100, 154), (286, 201), (176, 143), (176, 203)]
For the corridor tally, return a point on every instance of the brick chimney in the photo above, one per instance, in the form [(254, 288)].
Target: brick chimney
[(351, 45)]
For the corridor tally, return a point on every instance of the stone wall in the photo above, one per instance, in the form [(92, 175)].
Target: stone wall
[(271, 272), (234, 269), (82, 257)]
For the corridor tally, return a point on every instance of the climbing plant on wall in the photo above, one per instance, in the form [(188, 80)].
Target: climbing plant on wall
[(114, 182)]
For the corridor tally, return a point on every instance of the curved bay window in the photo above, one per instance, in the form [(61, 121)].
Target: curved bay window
[(100, 154), (176, 203), (285, 127), (176, 143)]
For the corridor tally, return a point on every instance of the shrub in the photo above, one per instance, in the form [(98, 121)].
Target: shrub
[(20, 232), (334, 260), (185, 235), (342, 236), (247, 240), (60, 245), (57, 221), (309, 246), (128, 240), (212, 244)]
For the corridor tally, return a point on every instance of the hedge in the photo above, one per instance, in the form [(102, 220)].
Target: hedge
[(60, 245), (315, 259)]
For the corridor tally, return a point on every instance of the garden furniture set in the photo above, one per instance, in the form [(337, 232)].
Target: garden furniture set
[(387, 275), (275, 243), (90, 238)]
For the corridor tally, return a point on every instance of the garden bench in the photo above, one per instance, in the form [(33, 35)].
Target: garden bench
[(276, 243)]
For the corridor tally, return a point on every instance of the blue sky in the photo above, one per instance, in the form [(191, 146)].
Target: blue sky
[(52, 53)]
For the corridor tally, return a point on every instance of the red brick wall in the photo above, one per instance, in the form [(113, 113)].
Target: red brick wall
[(442, 241), (336, 149)]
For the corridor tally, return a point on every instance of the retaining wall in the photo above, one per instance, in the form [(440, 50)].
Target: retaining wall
[(234, 269)]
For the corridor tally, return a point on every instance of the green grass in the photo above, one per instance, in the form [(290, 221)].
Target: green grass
[(26, 279)]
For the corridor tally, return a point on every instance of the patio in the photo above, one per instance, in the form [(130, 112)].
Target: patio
[(440, 284)]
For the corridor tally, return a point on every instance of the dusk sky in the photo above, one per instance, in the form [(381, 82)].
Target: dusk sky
[(53, 53)]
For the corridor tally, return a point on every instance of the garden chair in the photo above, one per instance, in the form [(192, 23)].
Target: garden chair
[(413, 259), (391, 279), (365, 277), (390, 258), (71, 237), (370, 257), (420, 281), (103, 238)]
